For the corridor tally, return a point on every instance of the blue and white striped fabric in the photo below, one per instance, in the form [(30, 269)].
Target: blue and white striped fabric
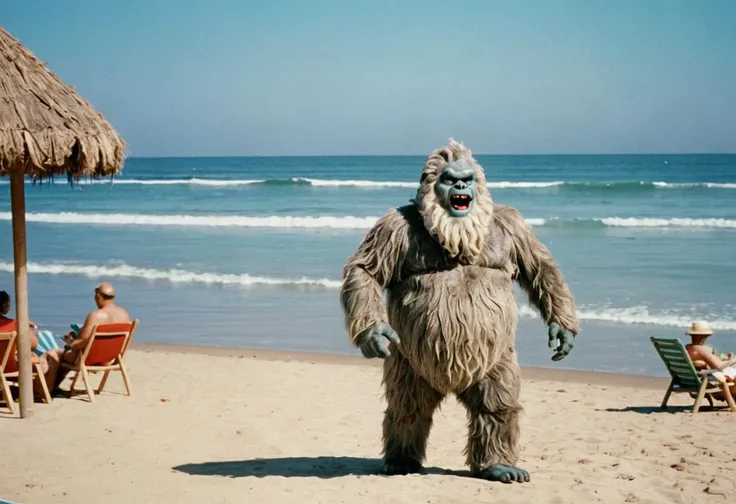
[(47, 341)]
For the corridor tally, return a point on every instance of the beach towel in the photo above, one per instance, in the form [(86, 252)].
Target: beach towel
[(729, 372), (46, 341)]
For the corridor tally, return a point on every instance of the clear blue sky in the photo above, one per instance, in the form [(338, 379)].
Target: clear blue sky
[(241, 77)]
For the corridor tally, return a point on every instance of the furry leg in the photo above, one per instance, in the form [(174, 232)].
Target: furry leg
[(408, 417), (494, 413)]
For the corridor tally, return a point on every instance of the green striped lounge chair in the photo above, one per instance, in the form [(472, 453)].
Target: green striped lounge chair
[(686, 379)]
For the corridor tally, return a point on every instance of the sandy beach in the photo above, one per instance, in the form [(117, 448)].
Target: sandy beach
[(222, 425)]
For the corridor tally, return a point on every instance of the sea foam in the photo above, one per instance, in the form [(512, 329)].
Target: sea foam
[(635, 315), (339, 221), (174, 275)]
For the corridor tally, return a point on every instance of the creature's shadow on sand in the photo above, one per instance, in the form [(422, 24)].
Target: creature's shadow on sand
[(298, 467)]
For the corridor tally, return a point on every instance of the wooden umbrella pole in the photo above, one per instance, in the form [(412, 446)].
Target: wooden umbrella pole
[(25, 376)]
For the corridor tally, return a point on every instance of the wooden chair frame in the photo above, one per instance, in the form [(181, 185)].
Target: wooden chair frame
[(4, 388), (117, 364), (686, 379), (5, 385)]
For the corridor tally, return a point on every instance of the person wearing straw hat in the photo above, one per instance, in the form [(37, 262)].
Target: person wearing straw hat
[(699, 351)]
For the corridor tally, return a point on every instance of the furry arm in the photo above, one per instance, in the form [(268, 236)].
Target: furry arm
[(537, 271), (369, 271)]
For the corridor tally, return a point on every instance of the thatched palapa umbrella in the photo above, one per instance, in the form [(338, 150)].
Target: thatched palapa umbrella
[(46, 129)]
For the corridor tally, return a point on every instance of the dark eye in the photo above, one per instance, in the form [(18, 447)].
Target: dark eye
[(467, 180)]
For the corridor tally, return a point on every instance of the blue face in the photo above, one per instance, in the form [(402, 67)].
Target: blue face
[(456, 188)]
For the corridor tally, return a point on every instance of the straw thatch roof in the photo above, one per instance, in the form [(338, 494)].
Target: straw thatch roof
[(46, 128)]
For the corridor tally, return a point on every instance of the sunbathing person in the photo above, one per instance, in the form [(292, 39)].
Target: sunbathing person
[(107, 312), (703, 357), (8, 324), (700, 352)]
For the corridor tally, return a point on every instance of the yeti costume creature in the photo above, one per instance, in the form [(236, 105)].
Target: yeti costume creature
[(446, 263)]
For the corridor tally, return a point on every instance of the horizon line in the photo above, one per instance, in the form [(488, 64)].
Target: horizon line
[(223, 156)]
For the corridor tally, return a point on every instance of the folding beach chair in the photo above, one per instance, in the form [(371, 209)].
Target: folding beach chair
[(9, 369), (105, 351), (686, 379), (7, 344)]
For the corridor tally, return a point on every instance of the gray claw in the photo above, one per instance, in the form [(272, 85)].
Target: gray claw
[(504, 474)]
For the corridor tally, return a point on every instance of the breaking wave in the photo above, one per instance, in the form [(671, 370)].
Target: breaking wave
[(273, 221), (710, 185), (176, 276), (295, 181), (343, 222), (675, 222), (636, 315), (377, 184), (637, 222)]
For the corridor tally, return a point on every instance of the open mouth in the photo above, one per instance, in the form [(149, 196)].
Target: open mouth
[(460, 201)]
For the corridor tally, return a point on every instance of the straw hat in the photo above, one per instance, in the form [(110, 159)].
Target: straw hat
[(700, 328)]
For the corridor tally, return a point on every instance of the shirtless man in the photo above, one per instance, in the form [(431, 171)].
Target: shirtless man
[(697, 351), (107, 312)]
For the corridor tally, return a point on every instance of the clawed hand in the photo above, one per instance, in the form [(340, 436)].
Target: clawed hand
[(560, 340), (374, 342)]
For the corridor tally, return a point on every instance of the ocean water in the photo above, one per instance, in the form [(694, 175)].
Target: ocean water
[(249, 251)]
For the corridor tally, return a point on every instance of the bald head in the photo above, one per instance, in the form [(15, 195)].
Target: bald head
[(105, 290)]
